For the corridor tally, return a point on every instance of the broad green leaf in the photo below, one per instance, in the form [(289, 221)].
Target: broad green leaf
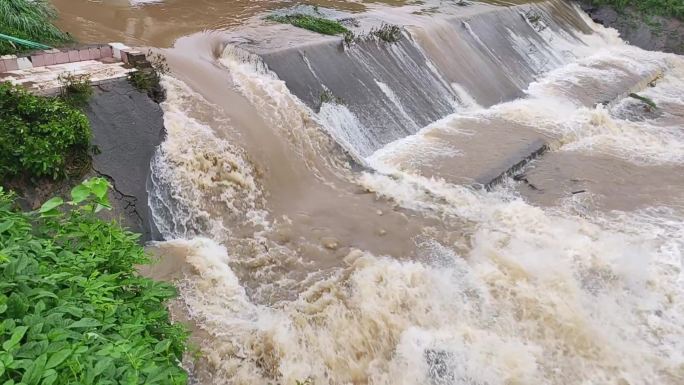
[(35, 371), (85, 323), (6, 225), (162, 346), (80, 193), (99, 187), (17, 335), (51, 205), (49, 377), (57, 358)]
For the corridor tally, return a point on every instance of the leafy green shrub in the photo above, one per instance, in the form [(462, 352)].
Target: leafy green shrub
[(38, 134), (674, 8), (76, 89), (74, 309), (147, 77), (327, 96), (388, 33), (312, 23), (31, 20)]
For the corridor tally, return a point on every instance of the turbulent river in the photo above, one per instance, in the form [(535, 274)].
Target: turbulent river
[(344, 215)]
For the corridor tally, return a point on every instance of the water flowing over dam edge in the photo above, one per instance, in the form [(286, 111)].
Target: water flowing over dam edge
[(295, 264)]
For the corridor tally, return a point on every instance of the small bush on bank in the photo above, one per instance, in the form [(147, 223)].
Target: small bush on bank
[(38, 134), (76, 89), (147, 77), (74, 309), (312, 23), (674, 8), (30, 20)]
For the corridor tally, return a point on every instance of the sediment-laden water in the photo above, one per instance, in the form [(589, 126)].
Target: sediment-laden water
[(350, 240)]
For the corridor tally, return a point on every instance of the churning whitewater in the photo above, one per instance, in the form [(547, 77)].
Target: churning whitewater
[(354, 243)]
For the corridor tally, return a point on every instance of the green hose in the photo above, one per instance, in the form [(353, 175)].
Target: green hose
[(26, 43)]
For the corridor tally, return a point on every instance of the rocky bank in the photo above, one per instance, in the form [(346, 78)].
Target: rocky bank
[(656, 33)]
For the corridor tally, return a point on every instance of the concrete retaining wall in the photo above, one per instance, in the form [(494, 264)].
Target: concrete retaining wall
[(106, 52)]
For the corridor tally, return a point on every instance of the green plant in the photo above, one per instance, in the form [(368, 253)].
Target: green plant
[(147, 76), (388, 33), (73, 308), (536, 20), (312, 23), (349, 37), (38, 134), (648, 101), (31, 20), (674, 8), (76, 90), (327, 96)]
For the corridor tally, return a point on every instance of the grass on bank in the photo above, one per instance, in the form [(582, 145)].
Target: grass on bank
[(673, 8), (30, 20), (73, 308), (39, 136), (312, 23)]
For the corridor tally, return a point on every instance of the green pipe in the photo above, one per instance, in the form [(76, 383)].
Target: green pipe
[(27, 43)]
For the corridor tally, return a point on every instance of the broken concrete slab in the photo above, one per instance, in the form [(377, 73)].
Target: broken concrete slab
[(606, 183), (45, 80), (127, 128)]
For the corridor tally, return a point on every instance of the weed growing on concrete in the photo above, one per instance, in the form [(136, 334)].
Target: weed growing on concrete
[(76, 90), (349, 38), (535, 19), (312, 23), (327, 96), (388, 33), (147, 76)]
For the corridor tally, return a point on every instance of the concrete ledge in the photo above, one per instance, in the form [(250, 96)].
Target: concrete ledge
[(116, 51)]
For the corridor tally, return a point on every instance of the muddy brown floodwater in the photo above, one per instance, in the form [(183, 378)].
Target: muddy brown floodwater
[(321, 208)]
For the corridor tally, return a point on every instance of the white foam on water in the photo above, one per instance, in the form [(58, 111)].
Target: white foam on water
[(291, 118), (194, 171), (346, 129), (537, 296), (395, 100)]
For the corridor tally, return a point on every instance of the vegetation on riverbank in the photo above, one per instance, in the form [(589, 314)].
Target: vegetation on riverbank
[(39, 136), (673, 8), (312, 23), (30, 20), (74, 309)]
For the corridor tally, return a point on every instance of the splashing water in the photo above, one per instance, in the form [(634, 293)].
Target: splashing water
[(492, 289)]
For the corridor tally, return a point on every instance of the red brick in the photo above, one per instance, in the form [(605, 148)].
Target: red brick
[(106, 51), (124, 57), (2, 66), (95, 53), (38, 60), (84, 54), (73, 56), (61, 57), (50, 59), (11, 64)]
